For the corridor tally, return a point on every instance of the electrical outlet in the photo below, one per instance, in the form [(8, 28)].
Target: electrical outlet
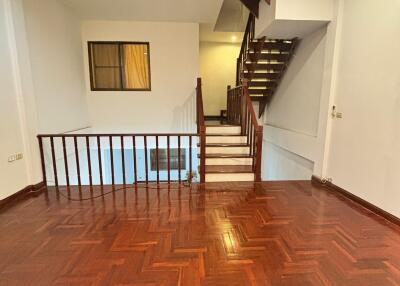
[(15, 157)]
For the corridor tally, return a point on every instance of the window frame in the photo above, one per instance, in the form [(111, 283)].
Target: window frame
[(121, 66)]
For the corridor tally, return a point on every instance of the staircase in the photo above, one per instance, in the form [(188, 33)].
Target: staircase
[(227, 155), (233, 152), (230, 152), (263, 63)]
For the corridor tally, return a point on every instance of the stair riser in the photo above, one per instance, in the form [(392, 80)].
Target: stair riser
[(229, 161), (230, 177), (223, 130), (226, 139), (227, 150)]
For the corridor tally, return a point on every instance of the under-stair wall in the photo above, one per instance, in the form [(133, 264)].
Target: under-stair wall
[(296, 117)]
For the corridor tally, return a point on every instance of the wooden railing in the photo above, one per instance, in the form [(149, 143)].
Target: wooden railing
[(241, 112), (247, 39), (120, 159), (113, 159), (201, 130)]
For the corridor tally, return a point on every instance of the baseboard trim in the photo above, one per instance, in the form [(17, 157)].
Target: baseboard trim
[(20, 195), (367, 205)]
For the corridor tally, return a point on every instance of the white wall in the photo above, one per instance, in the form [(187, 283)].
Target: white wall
[(217, 70), (315, 10), (364, 155), (42, 84), (174, 60), (56, 58), (292, 117), (14, 176), (292, 18)]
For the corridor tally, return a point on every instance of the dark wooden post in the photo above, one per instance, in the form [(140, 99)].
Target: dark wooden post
[(243, 107), (237, 71), (228, 107), (259, 142), (42, 159), (202, 154)]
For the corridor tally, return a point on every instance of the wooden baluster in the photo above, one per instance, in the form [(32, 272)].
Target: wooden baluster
[(190, 158), (65, 161), (110, 139), (53, 157), (145, 159), (179, 159), (169, 160), (157, 163), (203, 154), (123, 160), (134, 158), (259, 136), (251, 140), (78, 169), (243, 110), (100, 164), (89, 160), (227, 104), (248, 128), (42, 162)]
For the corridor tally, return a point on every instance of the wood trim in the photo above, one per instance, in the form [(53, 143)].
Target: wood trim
[(28, 191), (365, 204)]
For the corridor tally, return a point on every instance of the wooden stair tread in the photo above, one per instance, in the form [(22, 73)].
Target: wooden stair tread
[(222, 155), (262, 75), (222, 125), (265, 66), (263, 91), (226, 135), (229, 169), (268, 56), (279, 45), (226, 145), (266, 84)]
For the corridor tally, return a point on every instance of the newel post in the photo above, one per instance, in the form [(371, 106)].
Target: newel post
[(238, 71), (259, 143), (202, 154), (228, 107), (243, 106)]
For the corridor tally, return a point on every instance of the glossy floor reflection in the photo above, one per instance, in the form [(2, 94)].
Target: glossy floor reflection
[(280, 233)]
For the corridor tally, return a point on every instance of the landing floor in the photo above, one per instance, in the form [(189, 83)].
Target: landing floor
[(280, 233)]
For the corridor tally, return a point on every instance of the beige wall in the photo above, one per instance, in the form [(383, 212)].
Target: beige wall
[(217, 69), (174, 62)]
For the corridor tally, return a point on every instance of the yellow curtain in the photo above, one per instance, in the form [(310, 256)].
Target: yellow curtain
[(136, 64)]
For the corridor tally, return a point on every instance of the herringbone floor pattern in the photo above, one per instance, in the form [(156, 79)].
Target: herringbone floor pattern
[(281, 233)]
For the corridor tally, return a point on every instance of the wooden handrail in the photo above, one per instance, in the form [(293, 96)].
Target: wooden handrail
[(201, 130), (247, 39)]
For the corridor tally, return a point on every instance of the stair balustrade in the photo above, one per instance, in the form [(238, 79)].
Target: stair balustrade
[(240, 111)]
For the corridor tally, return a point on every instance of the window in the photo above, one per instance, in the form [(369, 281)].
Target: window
[(163, 159), (119, 66)]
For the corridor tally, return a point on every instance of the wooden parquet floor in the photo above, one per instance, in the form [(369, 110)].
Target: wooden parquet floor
[(278, 233)]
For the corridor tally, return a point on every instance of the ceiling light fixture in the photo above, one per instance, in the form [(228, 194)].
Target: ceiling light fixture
[(234, 38)]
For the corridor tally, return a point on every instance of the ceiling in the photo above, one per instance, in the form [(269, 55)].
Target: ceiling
[(195, 11), (232, 17)]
